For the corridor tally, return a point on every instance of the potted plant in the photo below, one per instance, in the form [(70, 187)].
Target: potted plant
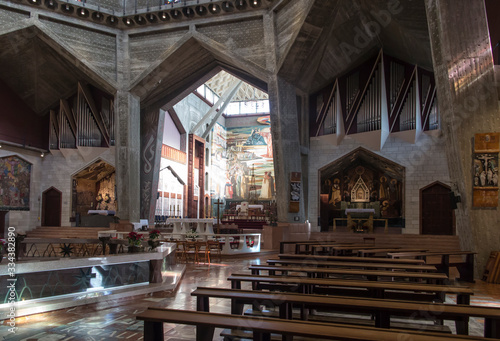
[(134, 242), (154, 239), (192, 234)]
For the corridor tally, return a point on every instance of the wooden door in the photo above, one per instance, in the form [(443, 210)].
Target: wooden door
[(436, 210), (51, 207)]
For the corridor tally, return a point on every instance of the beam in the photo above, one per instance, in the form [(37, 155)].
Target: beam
[(228, 96)]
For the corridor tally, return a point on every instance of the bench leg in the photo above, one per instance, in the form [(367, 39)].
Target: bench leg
[(153, 331), (463, 299), (286, 311), (236, 307), (204, 333), (466, 270), (202, 303), (260, 336), (492, 328), (382, 320), (462, 326)]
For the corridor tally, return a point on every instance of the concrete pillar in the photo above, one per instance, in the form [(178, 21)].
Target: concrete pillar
[(286, 145), (127, 112), (152, 122), (468, 103)]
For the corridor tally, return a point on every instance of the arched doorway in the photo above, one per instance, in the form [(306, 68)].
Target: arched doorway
[(51, 207), (436, 210)]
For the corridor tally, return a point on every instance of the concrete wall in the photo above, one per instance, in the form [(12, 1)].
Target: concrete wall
[(54, 170), (425, 163)]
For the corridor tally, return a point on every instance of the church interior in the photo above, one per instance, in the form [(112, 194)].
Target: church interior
[(330, 162)]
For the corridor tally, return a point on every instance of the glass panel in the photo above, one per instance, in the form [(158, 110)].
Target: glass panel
[(233, 108), (248, 107)]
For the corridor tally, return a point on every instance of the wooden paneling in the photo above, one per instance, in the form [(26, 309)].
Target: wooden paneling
[(173, 154)]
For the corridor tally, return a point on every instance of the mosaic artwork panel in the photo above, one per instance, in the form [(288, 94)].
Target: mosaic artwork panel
[(15, 174)]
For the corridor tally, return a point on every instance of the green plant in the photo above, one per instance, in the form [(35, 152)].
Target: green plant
[(135, 238), (191, 234), (155, 234)]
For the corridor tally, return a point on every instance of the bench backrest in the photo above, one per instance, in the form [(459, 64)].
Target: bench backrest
[(402, 286), (351, 259), (395, 307), (360, 272), (287, 327), (416, 267)]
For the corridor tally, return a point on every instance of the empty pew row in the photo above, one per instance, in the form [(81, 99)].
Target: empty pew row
[(263, 328)]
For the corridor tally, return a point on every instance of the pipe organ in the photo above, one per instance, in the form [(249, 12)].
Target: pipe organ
[(369, 114), (83, 123), (382, 94)]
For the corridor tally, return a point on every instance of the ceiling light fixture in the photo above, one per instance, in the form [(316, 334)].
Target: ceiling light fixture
[(42, 155), (128, 21), (82, 11)]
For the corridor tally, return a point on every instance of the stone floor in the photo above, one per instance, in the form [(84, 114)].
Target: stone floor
[(115, 319)]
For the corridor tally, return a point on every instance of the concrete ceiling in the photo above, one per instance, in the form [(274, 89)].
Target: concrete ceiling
[(334, 39), (328, 44), (39, 74)]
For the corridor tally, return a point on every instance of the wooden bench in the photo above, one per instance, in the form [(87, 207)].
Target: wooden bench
[(338, 264), (372, 252), (372, 275), (381, 310), (351, 259), (338, 250), (331, 286), (464, 267), (263, 328)]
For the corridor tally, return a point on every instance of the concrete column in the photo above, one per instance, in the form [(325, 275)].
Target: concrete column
[(286, 145), (127, 112), (468, 103), (152, 122)]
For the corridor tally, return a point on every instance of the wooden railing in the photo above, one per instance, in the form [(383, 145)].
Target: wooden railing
[(173, 154)]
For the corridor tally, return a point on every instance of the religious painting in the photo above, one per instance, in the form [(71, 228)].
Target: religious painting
[(15, 174), (485, 170), (362, 180), (220, 185), (295, 185), (249, 168)]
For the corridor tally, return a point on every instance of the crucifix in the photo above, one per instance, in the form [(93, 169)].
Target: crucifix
[(218, 203)]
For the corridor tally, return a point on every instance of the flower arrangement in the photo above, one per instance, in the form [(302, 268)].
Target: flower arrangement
[(191, 234), (155, 234), (134, 238)]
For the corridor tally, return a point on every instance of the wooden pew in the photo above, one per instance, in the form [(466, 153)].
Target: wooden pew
[(338, 250), (338, 264), (299, 243), (372, 289), (351, 259), (372, 275), (382, 310), (465, 268), (263, 328), (385, 251)]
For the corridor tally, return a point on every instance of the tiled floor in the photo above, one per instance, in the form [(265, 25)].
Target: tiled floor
[(115, 319)]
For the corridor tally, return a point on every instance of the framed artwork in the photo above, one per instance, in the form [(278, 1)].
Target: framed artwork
[(295, 187), (485, 170), (15, 174)]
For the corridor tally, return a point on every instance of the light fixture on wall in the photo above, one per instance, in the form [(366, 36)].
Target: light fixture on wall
[(42, 155)]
